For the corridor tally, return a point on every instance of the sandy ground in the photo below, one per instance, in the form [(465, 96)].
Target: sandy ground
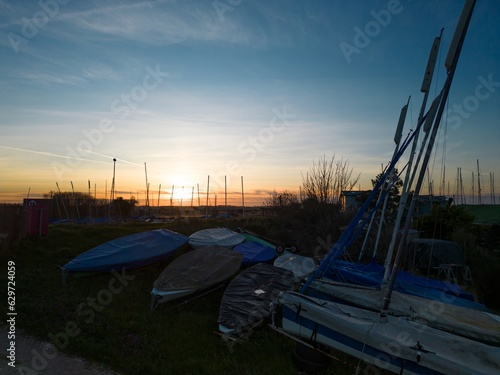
[(37, 357)]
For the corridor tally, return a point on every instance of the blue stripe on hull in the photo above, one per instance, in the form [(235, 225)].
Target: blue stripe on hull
[(337, 340)]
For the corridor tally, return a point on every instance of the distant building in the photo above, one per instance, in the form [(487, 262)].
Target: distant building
[(353, 200), (426, 202)]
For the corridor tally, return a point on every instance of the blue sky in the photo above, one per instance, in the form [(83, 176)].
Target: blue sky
[(233, 88)]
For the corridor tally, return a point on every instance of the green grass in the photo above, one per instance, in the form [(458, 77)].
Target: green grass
[(123, 334)]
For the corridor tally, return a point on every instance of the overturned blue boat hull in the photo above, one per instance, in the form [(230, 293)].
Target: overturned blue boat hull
[(255, 252), (130, 252)]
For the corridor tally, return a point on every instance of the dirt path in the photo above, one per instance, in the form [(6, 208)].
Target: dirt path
[(36, 357)]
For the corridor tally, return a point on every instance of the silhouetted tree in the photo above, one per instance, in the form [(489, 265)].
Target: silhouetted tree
[(326, 179), (393, 199), (282, 201)]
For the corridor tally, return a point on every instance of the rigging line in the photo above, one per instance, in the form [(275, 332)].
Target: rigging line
[(436, 84), (339, 246), (357, 231), (443, 136), (411, 112), (443, 157)]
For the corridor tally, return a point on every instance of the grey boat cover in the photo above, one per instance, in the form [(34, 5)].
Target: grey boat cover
[(301, 266), (199, 269), (215, 237), (476, 325), (247, 299)]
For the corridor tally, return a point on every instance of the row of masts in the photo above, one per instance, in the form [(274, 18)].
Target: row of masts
[(148, 205), (476, 194)]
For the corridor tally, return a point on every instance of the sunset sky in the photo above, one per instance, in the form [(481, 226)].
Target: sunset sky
[(233, 88)]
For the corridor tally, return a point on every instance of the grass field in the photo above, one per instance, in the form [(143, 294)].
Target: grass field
[(106, 318)]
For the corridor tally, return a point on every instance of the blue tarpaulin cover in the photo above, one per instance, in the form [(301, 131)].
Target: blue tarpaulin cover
[(132, 251), (371, 275), (255, 252)]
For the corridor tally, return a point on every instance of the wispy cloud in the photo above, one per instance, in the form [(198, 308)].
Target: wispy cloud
[(154, 23), (48, 79)]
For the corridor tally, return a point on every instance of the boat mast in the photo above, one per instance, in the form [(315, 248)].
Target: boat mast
[(158, 205), (172, 202), (478, 183), (75, 200), (450, 64), (492, 182), (198, 189), (413, 166), (425, 88), (473, 187), (90, 202), (242, 198), (62, 200), (208, 192), (147, 189), (462, 194), (225, 197), (392, 176)]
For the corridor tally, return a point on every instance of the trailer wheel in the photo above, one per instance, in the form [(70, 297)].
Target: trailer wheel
[(309, 360)]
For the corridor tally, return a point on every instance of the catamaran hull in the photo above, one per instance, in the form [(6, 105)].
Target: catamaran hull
[(391, 343)]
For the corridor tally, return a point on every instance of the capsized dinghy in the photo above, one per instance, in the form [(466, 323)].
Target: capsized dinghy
[(195, 271), (133, 251)]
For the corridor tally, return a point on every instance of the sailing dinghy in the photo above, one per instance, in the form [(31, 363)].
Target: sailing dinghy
[(197, 270), (247, 299), (300, 265), (413, 337), (215, 237), (129, 252), (254, 252)]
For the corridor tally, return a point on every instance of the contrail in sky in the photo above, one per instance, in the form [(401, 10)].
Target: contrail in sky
[(65, 157), (50, 154), (111, 157)]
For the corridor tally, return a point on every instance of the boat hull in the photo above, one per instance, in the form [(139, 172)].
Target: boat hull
[(215, 237), (301, 266), (391, 343), (128, 252), (254, 252), (247, 299), (197, 270)]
